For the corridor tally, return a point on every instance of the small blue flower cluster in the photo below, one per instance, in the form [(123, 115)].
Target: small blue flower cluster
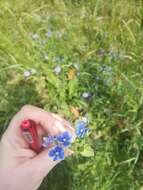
[(64, 140), (57, 153), (61, 141), (81, 129)]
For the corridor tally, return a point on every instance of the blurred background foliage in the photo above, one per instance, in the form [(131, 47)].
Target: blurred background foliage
[(76, 58)]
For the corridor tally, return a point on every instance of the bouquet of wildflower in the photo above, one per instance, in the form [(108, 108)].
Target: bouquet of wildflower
[(60, 142)]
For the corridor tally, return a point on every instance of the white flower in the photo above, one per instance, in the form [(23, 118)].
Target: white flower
[(46, 58), (97, 78), (35, 36), (86, 95), (27, 74), (57, 70), (76, 66), (85, 119)]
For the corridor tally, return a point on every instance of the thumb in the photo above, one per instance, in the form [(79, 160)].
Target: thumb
[(44, 164)]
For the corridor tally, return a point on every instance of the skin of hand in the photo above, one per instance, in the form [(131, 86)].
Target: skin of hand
[(20, 167)]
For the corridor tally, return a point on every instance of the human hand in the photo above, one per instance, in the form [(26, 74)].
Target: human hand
[(20, 167)]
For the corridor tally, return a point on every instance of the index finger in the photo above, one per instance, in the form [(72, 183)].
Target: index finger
[(51, 123)]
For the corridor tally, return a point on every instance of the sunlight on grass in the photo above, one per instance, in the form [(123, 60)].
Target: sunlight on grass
[(79, 58)]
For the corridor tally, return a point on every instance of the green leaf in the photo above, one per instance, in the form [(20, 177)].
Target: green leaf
[(72, 86), (53, 79), (88, 151)]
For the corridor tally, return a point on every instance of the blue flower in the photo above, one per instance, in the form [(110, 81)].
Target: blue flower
[(57, 70), (81, 129), (49, 34), (57, 153), (64, 138), (47, 141)]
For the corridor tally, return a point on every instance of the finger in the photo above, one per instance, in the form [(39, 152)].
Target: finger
[(50, 124), (40, 116), (47, 124), (67, 124)]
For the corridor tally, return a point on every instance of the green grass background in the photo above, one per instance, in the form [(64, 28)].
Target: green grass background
[(104, 38)]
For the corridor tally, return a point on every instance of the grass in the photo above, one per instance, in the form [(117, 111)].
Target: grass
[(98, 46)]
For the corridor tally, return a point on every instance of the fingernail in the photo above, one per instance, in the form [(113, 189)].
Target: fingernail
[(59, 125), (69, 124)]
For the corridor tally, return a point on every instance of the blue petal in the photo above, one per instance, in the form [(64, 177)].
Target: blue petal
[(60, 138), (66, 144), (87, 130), (58, 149), (55, 158), (55, 138), (62, 156), (81, 124), (63, 136), (66, 134), (52, 152)]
